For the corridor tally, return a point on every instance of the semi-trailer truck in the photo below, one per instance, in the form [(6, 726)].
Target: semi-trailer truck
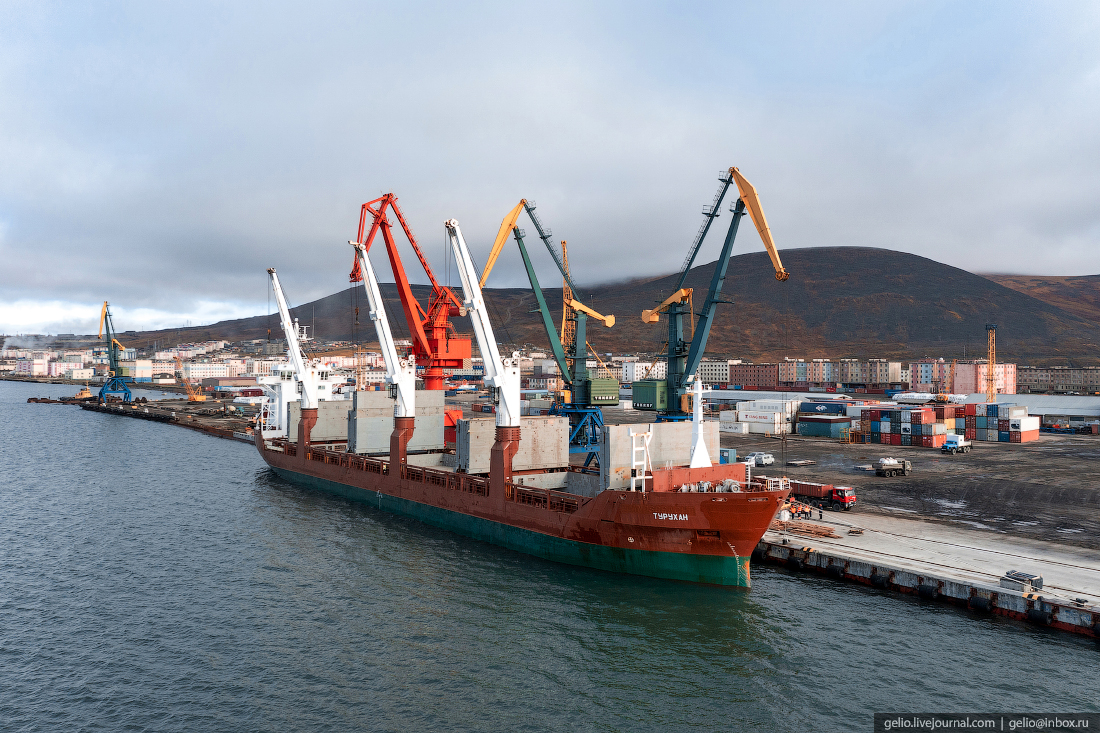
[(824, 496)]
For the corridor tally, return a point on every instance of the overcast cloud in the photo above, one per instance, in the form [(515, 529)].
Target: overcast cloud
[(163, 156)]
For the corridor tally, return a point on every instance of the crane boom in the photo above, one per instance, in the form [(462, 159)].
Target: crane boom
[(294, 347), (501, 374), (399, 372), (756, 213), (710, 213)]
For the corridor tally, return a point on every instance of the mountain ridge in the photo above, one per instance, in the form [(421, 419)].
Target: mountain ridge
[(859, 302)]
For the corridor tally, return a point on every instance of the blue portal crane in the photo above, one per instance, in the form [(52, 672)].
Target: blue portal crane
[(115, 384)]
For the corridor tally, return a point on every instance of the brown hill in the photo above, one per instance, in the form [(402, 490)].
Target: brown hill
[(839, 302), (1077, 295)]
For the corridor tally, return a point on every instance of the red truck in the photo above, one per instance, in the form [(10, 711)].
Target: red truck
[(824, 496)]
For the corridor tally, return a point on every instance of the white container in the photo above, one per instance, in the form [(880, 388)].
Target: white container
[(938, 428), (761, 428), (739, 428), (1016, 412), (979, 409), (1023, 424), (759, 416), (906, 417), (885, 427), (785, 407)]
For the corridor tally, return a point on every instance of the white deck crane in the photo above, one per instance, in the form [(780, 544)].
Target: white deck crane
[(399, 372), (304, 374), (500, 374)]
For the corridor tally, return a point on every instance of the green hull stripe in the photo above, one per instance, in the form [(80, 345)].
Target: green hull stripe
[(712, 569)]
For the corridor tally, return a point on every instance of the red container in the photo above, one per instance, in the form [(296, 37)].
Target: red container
[(895, 439), (1002, 425), (971, 422), (1014, 436), (971, 433), (884, 438), (971, 409), (926, 441), (1029, 435)]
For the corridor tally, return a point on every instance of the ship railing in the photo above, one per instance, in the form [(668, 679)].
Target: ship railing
[(549, 499), (444, 479), (765, 483)]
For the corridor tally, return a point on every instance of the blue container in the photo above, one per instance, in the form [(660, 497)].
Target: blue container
[(960, 423), (980, 422), (823, 408), (1003, 436), (821, 429), (991, 410), (727, 455)]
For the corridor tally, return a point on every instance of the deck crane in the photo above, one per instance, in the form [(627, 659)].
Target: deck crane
[(581, 399), (115, 385), (501, 375), (305, 374), (400, 373), (435, 345), (684, 356)]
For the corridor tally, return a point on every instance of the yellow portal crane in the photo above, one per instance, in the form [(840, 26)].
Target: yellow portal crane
[(990, 374)]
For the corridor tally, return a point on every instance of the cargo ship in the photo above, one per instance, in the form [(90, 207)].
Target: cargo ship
[(698, 522)]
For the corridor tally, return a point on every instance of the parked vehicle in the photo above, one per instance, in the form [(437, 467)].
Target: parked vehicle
[(824, 496), (956, 444), (760, 459), (892, 467)]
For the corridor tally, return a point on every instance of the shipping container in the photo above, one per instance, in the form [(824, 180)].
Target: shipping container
[(1023, 424), (651, 394), (1003, 436), (823, 408), (831, 429)]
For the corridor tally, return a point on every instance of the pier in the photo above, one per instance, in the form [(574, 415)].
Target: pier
[(1045, 584)]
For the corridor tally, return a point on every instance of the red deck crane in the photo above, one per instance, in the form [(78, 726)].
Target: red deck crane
[(435, 344)]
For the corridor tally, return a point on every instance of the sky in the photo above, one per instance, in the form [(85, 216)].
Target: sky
[(162, 156)]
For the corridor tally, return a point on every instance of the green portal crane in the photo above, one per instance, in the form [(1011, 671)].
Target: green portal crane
[(581, 399), (669, 396)]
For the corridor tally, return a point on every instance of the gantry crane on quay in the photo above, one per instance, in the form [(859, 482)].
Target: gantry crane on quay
[(582, 396), (670, 397)]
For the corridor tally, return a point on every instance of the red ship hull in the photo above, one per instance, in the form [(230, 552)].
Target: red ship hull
[(692, 536)]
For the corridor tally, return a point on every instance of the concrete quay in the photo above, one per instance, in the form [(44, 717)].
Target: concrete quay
[(959, 566)]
